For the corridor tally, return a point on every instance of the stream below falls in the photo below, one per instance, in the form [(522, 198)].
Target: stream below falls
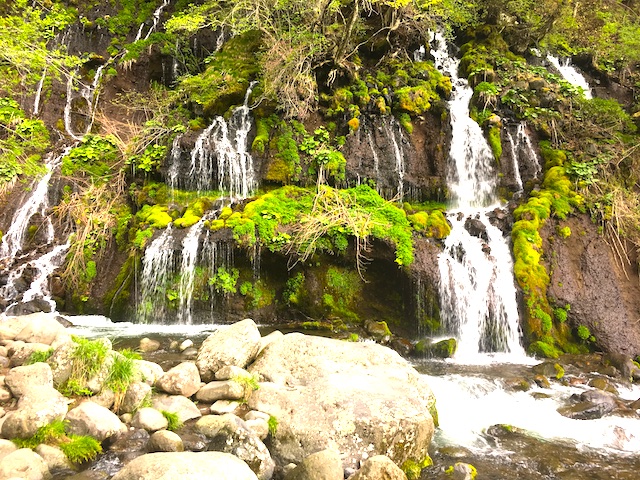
[(487, 418)]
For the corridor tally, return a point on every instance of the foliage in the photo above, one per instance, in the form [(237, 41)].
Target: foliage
[(173, 419), (77, 448), (224, 281), (39, 356), (88, 357), (294, 289), (94, 157), (273, 425)]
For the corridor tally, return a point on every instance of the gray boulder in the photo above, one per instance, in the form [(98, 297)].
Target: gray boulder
[(20, 379), (12, 326), (379, 468), (361, 399), (57, 462), (24, 464), (37, 407), (183, 379), (147, 372), (323, 465), (91, 419), (236, 345), (229, 433), (186, 466)]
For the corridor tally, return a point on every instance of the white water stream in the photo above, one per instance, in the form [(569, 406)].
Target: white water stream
[(571, 74), (90, 95), (523, 155), (477, 290)]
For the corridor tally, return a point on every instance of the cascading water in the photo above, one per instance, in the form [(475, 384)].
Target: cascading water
[(190, 247), (33, 266), (220, 158), (36, 101), (523, 155), (86, 92), (155, 21), (394, 133), (570, 74), (477, 291)]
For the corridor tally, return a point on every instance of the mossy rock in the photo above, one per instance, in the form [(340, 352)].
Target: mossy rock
[(441, 349), (155, 216)]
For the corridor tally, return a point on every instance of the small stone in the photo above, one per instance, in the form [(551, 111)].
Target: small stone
[(5, 395), (322, 465), (183, 379), (148, 345), (259, 426), (137, 394), (165, 441), (224, 406), (188, 343), (148, 372), (181, 406), (91, 419), (256, 415), (126, 418)]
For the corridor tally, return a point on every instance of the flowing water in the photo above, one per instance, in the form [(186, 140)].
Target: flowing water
[(571, 74), (477, 290), (88, 93)]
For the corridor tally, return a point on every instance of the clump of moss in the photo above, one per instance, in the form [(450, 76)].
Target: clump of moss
[(154, 216)]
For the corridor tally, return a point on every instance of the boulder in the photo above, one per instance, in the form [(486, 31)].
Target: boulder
[(379, 468), (149, 419), (57, 462), (137, 394), (24, 464), (91, 419), (236, 345), (61, 362), (227, 373), (147, 372), (361, 399), (183, 379), (267, 339), (5, 394), (6, 447), (221, 407), (165, 441), (322, 465), (186, 466), (38, 406), (20, 379), (229, 433), (221, 390), (40, 328), (181, 406), (20, 351), (12, 326)]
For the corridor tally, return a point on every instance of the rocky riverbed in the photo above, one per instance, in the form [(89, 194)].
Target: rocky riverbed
[(242, 406)]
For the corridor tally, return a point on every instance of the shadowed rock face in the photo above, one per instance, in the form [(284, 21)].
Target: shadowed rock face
[(586, 275), (361, 399)]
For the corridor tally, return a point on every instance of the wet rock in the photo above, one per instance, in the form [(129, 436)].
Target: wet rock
[(24, 464), (229, 433), (149, 419), (590, 405), (379, 331), (183, 379), (37, 407), (181, 406), (323, 465), (235, 345), (383, 402), (441, 349), (148, 345), (378, 468), (603, 384), (91, 419), (463, 471), (476, 228), (165, 441), (20, 379), (133, 440), (403, 346), (186, 466), (185, 344), (220, 390), (518, 384), (542, 381)]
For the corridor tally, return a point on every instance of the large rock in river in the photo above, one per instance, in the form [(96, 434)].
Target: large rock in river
[(361, 399), (186, 466)]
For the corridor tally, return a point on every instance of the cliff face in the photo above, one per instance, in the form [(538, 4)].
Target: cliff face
[(308, 237)]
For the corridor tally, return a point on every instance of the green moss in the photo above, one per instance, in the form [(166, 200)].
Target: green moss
[(342, 290), (495, 141), (559, 371), (261, 139), (257, 294), (543, 349), (154, 216), (583, 332), (564, 232), (432, 224), (294, 290)]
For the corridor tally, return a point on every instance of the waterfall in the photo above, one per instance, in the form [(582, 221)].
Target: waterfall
[(393, 132), (37, 202), (523, 155), (190, 246), (477, 289), (86, 92), (28, 272), (571, 74), (220, 158), (155, 18), (157, 271), (36, 101)]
